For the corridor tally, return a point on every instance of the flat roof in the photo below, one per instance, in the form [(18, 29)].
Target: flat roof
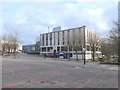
[(29, 45), (63, 30)]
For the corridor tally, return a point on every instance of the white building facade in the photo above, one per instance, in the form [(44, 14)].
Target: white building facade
[(59, 40), (9, 45)]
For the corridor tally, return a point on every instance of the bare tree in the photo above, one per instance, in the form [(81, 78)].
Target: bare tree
[(73, 42), (4, 44), (94, 42), (114, 36), (106, 48), (76, 42), (10, 43), (109, 45), (15, 42), (68, 44)]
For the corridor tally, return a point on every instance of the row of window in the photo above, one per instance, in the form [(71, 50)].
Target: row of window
[(66, 49), (65, 37)]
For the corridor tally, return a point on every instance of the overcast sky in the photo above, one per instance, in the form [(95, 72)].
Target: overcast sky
[(30, 19)]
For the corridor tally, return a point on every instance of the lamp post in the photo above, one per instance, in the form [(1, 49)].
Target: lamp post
[(84, 47), (84, 50)]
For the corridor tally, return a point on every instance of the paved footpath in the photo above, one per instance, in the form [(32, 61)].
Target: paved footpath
[(33, 71)]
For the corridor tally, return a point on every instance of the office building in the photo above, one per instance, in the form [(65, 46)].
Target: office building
[(66, 40)]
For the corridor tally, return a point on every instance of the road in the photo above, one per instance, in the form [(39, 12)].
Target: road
[(33, 71)]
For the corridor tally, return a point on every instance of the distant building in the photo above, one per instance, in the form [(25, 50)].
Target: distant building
[(33, 48), (58, 39), (9, 46)]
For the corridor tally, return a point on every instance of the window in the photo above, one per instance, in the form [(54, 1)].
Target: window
[(63, 38), (63, 48), (54, 38), (68, 37), (70, 48), (58, 48), (43, 40), (43, 49), (46, 39), (50, 38)]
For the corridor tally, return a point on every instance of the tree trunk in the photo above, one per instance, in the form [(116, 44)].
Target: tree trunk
[(93, 53), (15, 53), (9, 51), (93, 56), (69, 53), (76, 55)]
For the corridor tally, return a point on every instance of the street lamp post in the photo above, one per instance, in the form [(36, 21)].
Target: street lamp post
[(84, 50), (84, 58)]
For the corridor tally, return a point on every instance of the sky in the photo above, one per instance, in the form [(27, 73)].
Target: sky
[(32, 18)]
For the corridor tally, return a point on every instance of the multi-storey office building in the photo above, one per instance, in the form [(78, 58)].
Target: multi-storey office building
[(60, 40)]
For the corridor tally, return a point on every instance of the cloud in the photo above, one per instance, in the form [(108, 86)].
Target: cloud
[(1, 22), (96, 17), (59, 1), (33, 1), (21, 20), (33, 19), (98, 1)]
